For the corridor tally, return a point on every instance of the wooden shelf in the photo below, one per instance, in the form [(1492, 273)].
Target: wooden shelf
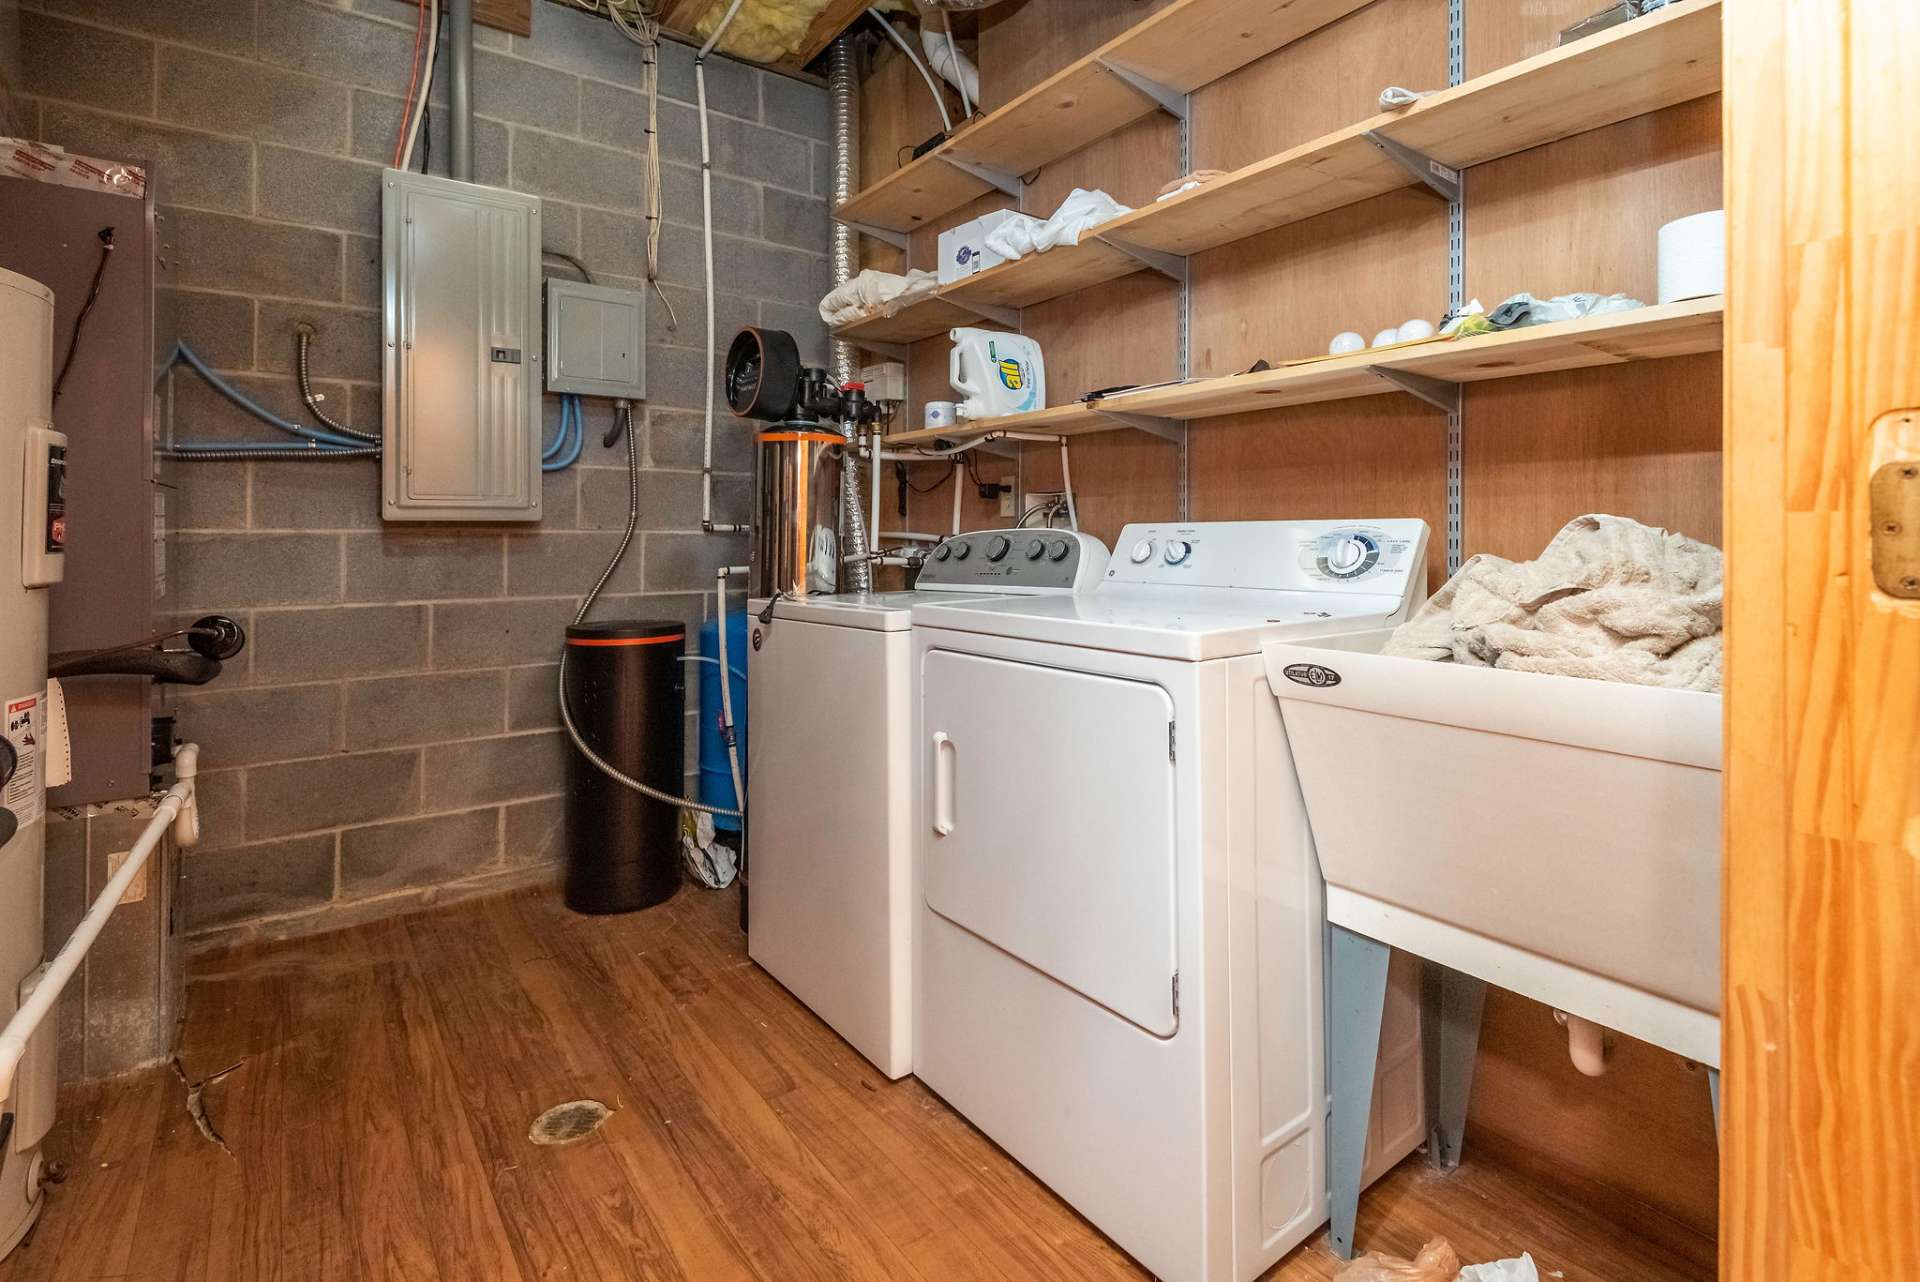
[(1649, 333), (924, 317), (1188, 44), (1666, 58)]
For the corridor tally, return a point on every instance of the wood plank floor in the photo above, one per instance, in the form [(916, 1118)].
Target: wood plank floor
[(369, 1095)]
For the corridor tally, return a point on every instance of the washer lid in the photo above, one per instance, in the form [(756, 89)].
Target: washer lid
[(874, 611), (1173, 623)]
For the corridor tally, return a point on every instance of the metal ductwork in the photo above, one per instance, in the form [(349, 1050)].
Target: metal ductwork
[(843, 98), (460, 87)]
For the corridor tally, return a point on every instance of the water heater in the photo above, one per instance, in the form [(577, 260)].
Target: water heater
[(32, 535)]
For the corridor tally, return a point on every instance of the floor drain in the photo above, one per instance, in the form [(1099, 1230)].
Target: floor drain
[(565, 1123)]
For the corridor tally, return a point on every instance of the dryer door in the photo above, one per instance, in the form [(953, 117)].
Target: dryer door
[(1051, 816)]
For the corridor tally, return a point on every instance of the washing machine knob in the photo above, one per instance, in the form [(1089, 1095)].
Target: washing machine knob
[(1346, 555), (1142, 552), (1177, 551), (942, 552), (1059, 550), (998, 546), (961, 551), (1036, 549)]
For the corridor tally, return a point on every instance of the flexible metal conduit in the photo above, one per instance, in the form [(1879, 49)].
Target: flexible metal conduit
[(178, 809), (843, 103)]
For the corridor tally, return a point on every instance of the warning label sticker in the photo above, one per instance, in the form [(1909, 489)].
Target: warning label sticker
[(25, 793)]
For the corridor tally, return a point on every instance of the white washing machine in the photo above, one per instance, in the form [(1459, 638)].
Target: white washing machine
[(830, 778), (1121, 938)]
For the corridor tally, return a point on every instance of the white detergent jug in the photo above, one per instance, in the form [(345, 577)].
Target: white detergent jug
[(996, 373)]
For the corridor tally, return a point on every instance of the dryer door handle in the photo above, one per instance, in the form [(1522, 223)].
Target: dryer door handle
[(943, 755)]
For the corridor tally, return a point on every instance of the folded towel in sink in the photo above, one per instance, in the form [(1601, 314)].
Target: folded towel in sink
[(1610, 599)]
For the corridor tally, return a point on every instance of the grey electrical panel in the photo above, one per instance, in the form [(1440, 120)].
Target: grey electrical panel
[(596, 340), (461, 293)]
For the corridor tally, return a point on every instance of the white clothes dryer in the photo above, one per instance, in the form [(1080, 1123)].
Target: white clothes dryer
[(1121, 931), (830, 778)]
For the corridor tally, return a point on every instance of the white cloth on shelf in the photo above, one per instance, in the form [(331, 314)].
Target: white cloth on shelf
[(870, 291), (1609, 599), (1079, 211)]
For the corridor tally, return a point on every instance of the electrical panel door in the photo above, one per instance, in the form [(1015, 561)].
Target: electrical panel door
[(462, 351)]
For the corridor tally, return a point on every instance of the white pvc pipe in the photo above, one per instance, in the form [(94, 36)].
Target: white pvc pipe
[(939, 99), (706, 243), (1586, 1043), (959, 483), (176, 805)]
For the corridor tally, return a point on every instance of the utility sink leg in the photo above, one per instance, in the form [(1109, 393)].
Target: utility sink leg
[(1357, 998), (1713, 1094), (1451, 1004)]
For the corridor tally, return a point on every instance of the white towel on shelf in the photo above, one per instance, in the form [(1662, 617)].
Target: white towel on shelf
[(871, 291), (1079, 211), (1610, 599)]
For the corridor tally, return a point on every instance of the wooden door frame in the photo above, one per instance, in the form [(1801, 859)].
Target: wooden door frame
[(1820, 1165)]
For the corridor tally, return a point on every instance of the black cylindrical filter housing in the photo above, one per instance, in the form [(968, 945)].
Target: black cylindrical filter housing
[(628, 697)]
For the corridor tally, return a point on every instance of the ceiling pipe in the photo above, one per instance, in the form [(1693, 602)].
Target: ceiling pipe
[(460, 87)]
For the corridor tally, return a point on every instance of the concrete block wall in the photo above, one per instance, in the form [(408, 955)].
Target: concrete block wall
[(390, 734)]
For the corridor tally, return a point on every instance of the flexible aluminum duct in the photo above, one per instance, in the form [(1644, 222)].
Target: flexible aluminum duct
[(843, 98)]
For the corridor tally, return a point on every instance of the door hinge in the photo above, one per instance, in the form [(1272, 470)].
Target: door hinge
[(1176, 994), (1170, 756)]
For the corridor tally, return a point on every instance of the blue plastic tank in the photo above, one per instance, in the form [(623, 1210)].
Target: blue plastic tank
[(716, 779)]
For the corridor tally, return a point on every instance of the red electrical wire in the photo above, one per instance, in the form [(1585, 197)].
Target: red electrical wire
[(413, 82)]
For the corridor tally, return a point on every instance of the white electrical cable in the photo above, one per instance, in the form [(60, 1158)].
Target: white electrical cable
[(959, 76), (1066, 484), (939, 99), (426, 84), (706, 243)]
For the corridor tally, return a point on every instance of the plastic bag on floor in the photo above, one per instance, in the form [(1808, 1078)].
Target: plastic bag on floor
[(1435, 1263), (1520, 1270)]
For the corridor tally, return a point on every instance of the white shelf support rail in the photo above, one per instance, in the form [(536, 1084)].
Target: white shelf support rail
[(1456, 299), (178, 809)]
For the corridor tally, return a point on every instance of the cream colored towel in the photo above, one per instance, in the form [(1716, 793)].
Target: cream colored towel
[(1610, 599), (871, 292)]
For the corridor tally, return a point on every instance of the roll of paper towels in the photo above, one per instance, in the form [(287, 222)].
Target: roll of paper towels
[(1693, 256)]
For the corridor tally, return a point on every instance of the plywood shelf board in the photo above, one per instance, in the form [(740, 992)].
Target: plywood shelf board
[(1035, 278), (1666, 58), (920, 319), (1650, 333), (1658, 61), (1182, 47)]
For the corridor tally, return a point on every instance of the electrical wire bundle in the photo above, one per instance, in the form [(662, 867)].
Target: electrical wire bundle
[(413, 111)]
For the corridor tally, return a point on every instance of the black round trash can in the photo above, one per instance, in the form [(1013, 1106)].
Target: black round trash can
[(628, 698)]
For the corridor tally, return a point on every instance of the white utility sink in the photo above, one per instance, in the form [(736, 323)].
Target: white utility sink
[(1555, 836)]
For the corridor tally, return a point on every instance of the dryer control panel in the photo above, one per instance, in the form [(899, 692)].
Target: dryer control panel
[(1014, 560), (1374, 557)]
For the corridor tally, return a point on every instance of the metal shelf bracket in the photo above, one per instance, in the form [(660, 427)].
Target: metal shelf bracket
[(892, 351), (1167, 429), (898, 239), (1172, 266), (1442, 179), (1006, 182), (1008, 316), (1440, 393), (1171, 100)]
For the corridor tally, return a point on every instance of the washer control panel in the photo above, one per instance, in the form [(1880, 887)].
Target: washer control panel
[(1375, 557), (1015, 560)]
